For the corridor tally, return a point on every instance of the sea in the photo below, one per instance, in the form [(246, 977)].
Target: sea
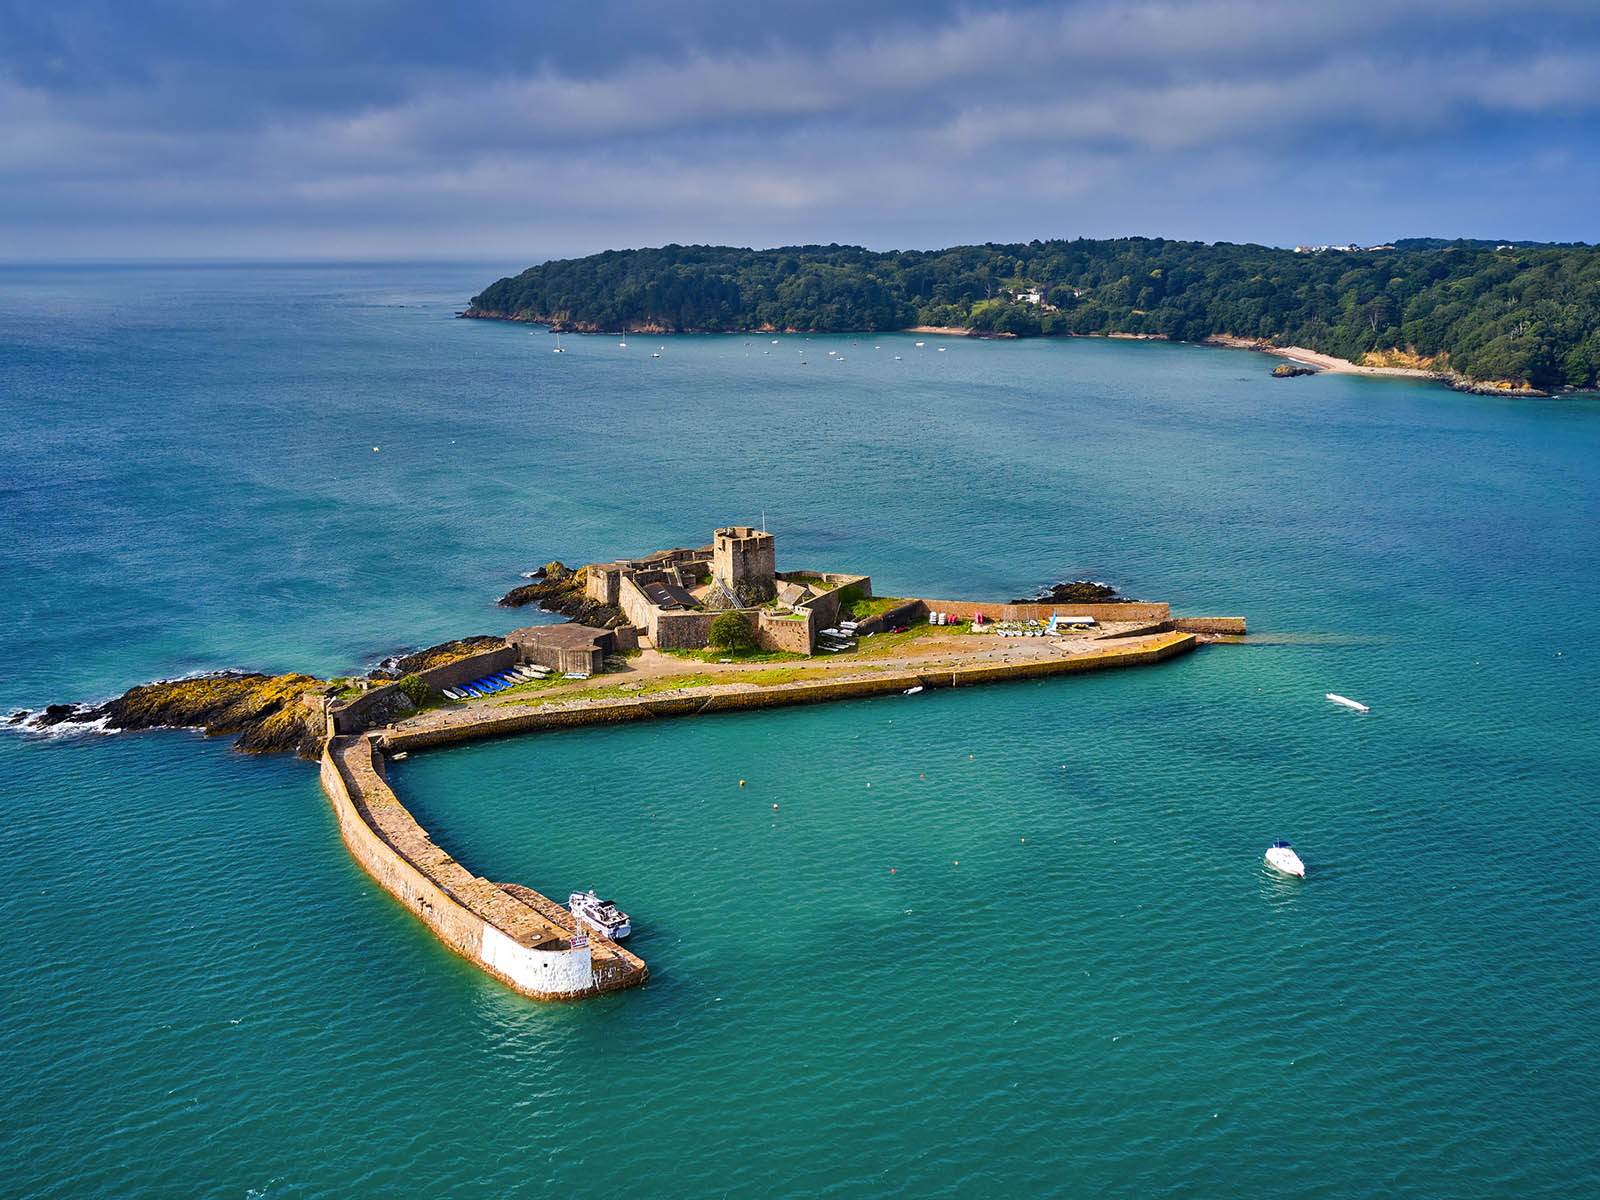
[(1011, 941)]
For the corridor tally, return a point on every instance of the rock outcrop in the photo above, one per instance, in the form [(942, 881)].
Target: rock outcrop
[(1077, 591), (265, 711), (557, 588)]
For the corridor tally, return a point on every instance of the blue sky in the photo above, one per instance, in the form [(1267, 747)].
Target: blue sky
[(524, 130)]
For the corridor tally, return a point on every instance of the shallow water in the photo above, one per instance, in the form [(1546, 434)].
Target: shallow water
[(1078, 976)]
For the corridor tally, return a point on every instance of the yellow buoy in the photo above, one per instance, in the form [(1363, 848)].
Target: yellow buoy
[(741, 783)]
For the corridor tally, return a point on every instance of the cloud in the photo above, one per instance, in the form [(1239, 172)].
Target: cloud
[(724, 121)]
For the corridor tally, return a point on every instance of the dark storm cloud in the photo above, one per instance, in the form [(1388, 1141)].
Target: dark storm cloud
[(410, 128)]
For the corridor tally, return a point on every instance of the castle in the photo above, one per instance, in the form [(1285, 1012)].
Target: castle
[(672, 597)]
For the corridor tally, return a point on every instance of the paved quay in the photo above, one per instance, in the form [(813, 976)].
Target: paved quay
[(648, 685)]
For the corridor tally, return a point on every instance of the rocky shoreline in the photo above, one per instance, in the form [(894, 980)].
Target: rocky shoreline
[(1343, 366), (265, 711), (556, 588)]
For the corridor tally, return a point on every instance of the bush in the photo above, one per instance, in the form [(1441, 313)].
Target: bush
[(414, 688), (728, 632)]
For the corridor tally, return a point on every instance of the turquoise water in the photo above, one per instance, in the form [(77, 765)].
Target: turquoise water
[(1077, 979)]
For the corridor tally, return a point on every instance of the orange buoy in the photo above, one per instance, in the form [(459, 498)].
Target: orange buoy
[(741, 783), (891, 870)]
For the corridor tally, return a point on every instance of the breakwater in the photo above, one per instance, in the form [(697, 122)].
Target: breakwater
[(512, 932), (474, 725)]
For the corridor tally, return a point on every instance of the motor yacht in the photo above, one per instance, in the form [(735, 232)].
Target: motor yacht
[(1281, 857)]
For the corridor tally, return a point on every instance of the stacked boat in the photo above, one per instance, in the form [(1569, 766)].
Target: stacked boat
[(499, 681), (837, 639)]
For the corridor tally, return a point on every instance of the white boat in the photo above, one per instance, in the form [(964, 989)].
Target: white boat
[(912, 691), (1347, 702), (1281, 857), (558, 349), (588, 909)]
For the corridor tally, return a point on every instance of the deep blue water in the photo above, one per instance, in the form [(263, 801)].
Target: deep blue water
[(1078, 979)]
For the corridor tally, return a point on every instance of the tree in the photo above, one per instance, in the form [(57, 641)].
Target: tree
[(729, 632)]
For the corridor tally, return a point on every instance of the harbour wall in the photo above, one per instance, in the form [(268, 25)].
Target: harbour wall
[(507, 936), (620, 711), (965, 609), (1209, 624), (353, 715)]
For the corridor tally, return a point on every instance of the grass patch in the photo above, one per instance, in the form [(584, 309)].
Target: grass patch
[(739, 656), (888, 643), (869, 606), (619, 691)]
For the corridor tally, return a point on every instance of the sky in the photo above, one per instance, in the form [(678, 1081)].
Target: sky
[(392, 129)]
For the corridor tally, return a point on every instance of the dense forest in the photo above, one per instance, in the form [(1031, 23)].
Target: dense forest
[(1528, 313)]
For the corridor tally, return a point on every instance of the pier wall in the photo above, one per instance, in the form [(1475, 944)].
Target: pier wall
[(622, 711), (964, 610), (1209, 624), (507, 936), (355, 715)]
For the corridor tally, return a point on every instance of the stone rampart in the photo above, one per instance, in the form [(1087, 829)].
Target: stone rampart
[(474, 666), (683, 630), (506, 936), (840, 587), (635, 606), (782, 632)]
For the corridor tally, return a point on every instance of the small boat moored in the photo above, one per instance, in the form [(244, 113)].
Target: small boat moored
[(1281, 857), (588, 909)]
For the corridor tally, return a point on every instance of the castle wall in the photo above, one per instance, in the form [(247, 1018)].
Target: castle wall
[(601, 581), (795, 635), (683, 630)]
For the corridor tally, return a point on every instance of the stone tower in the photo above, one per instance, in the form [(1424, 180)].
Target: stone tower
[(743, 560)]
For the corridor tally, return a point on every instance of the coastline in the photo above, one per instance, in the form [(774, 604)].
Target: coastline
[(1343, 366), (1322, 362)]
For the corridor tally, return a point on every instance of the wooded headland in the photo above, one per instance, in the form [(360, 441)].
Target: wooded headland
[(1526, 314)]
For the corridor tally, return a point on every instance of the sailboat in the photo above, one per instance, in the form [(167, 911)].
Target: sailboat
[(558, 349)]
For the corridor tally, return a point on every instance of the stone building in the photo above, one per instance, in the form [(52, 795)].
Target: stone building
[(673, 596), (744, 562)]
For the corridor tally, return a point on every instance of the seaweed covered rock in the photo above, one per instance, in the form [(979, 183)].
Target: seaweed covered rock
[(1077, 591), (1291, 371), (265, 711)]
